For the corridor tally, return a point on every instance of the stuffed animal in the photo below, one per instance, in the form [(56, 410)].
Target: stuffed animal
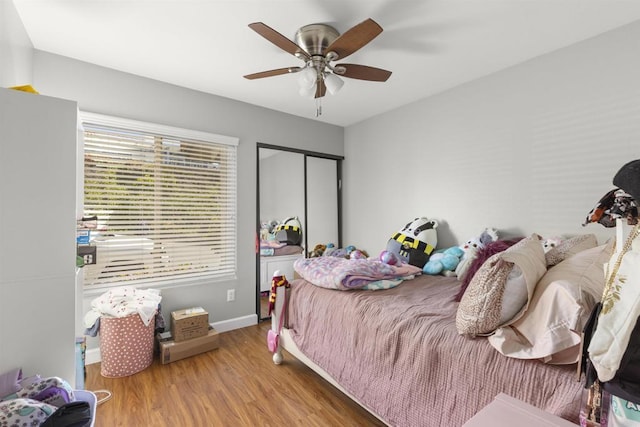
[(415, 242), (471, 248), (388, 257), (358, 254), (289, 231), (550, 243), (340, 253), (344, 252), (444, 262), (266, 230), (350, 252), (317, 251), (330, 249)]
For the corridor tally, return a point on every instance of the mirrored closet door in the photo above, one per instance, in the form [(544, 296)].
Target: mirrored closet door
[(303, 187)]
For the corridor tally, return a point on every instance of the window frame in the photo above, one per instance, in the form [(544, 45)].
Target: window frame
[(168, 132)]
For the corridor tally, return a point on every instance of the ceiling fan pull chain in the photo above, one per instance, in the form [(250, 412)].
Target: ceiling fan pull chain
[(318, 107)]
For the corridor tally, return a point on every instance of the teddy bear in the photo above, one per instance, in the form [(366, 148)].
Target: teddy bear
[(414, 243), (444, 262), (471, 248), (317, 251)]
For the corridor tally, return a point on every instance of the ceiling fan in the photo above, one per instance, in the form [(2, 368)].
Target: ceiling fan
[(318, 45)]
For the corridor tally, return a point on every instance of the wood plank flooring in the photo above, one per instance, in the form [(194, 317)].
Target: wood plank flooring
[(234, 385)]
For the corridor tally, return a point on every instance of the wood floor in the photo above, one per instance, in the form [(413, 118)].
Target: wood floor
[(234, 385)]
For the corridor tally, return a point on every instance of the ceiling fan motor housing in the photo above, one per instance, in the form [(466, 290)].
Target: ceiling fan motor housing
[(315, 38)]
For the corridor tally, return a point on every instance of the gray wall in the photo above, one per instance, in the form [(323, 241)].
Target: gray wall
[(528, 149), (15, 48), (106, 91), (37, 227)]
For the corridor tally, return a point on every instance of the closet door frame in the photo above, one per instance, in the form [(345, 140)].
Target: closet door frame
[(306, 154)]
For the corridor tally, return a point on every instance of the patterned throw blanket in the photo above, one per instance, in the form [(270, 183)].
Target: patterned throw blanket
[(345, 274)]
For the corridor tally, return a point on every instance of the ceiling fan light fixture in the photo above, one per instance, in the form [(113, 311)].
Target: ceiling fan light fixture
[(333, 83), (318, 45), (308, 91), (308, 77)]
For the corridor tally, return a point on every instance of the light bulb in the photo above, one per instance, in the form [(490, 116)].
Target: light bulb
[(333, 83), (308, 91), (308, 77)]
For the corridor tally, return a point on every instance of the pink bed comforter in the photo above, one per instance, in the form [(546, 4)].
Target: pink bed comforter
[(398, 352)]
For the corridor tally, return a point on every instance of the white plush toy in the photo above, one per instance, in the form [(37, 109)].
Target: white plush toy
[(471, 248), (550, 243)]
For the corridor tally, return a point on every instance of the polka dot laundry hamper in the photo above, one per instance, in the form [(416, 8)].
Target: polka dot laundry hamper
[(126, 345)]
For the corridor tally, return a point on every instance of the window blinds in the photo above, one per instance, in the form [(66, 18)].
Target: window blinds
[(166, 206)]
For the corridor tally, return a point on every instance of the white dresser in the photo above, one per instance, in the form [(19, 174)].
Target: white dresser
[(269, 265)]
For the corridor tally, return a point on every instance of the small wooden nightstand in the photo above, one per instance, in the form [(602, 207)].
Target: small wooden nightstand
[(507, 411)]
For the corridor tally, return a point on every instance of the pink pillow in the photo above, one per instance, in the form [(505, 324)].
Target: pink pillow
[(484, 254)]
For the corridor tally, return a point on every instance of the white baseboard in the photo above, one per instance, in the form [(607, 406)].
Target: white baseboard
[(93, 355), (237, 323)]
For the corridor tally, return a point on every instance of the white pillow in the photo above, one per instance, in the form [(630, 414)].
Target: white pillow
[(550, 329), (515, 295)]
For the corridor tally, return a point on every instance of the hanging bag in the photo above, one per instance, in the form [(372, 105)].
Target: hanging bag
[(619, 311), (611, 343)]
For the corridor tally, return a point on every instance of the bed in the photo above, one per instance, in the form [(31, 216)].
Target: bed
[(397, 353)]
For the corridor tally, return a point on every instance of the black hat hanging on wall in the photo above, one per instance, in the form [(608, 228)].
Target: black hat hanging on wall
[(628, 179), (621, 202)]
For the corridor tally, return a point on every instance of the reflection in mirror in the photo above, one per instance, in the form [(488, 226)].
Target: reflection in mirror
[(300, 185), (281, 177), (281, 185), (322, 202)]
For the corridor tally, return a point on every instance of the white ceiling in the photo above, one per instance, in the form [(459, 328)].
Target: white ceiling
[(206, 45)]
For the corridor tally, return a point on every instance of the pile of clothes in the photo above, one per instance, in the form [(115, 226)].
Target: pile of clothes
[(36, 401), (122, 302)]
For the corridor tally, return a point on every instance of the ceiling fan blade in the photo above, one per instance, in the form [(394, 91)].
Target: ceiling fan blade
[(364, 72), (279, 40), (272, 73), (354, 38), (321, 89)]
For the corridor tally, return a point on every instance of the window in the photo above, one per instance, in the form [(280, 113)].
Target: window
[(165, 201)]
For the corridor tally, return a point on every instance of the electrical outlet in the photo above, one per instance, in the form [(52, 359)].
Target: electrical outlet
[(231, 295)]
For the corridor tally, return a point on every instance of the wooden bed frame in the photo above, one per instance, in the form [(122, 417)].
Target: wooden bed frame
[(286, 342)]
